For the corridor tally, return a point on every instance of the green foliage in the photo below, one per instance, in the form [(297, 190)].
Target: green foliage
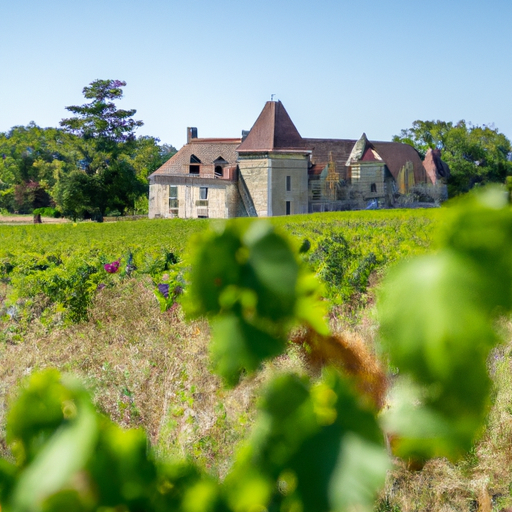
[(373, 240), (248, 278), (314, 445), (93, 164), (476, 154), (346, 271), (47, 212), (69, 458), (437, 314)]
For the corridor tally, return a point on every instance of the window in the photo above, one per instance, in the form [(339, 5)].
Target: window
[(315, 191), (219, 171), (373, 187), (288, 183), (288, 207), (203, 193), (194, 165), (173, 197)]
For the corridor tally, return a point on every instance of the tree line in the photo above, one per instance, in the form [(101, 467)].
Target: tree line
[(91, 166), (477, 155)]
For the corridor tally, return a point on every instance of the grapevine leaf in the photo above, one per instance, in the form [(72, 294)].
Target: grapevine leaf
[(65, 453), (237, 346), (338, 442), (435, 330)]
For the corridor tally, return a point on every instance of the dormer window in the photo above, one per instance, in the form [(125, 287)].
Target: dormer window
[(219, 164), (195, 165)]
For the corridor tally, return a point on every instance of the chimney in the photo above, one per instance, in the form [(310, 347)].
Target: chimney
[(191, 134), (244, 134)]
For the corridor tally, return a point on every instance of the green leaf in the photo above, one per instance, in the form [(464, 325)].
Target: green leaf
[(435, 330), (359, 473), (237, 346), (273, 271), (214, 268), (65, 453), (310, 440)]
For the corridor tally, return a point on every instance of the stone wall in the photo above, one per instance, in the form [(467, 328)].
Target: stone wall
[(296, 167), (368, 176), (255, 172), (222, 198), (265, 178)]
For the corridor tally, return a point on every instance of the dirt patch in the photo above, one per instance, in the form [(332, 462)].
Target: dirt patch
[(29, 219)]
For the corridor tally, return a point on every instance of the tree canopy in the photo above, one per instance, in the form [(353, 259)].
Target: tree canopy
[(89, 166), (476, 154)]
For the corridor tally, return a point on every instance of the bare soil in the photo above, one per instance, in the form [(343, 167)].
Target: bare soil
[(29, 219)]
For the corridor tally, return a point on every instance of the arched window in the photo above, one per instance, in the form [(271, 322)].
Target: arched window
[(373, 187), (219, 164)]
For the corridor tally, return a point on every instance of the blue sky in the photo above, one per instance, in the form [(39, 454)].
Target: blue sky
[(339, 67)]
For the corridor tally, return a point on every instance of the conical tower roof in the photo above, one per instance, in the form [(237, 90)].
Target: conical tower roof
[(273, 131)]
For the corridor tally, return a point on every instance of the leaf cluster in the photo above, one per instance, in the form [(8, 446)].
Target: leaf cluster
[(436, 321), (247, 278)]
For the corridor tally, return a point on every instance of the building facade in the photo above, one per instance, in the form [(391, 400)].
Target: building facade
[(271, 170)]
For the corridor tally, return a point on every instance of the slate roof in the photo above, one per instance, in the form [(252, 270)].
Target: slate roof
[(273, 131)]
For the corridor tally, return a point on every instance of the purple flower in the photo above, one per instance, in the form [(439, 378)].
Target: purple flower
[(112, 268), (163, 288), (100, 286)]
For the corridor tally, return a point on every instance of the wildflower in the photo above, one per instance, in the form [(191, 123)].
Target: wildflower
[(163, 288), (100, 286), (113, 267)]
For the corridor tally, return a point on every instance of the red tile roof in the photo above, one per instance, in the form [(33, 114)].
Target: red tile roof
[(434, 166), (273, 131), (396, 154), (207, 150), (316, 169)]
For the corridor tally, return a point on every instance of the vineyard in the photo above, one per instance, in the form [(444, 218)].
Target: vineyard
[(107, 302), (59, 268)]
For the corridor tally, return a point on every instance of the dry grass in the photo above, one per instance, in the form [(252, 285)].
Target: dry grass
[(145, 368), (483, 480)]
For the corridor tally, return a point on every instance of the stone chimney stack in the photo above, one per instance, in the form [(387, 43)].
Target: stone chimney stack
[(191, 134)]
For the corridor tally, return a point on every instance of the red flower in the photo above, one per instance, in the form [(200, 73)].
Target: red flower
[(113, 267)]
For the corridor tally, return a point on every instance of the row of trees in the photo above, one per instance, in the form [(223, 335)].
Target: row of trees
[(90, 166), (476, 154)]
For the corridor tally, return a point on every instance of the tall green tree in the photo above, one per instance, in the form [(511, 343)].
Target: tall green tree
[(476, 154), (107, 145)]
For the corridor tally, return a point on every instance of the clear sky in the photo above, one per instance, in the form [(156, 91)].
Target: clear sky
[(340, 67)]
